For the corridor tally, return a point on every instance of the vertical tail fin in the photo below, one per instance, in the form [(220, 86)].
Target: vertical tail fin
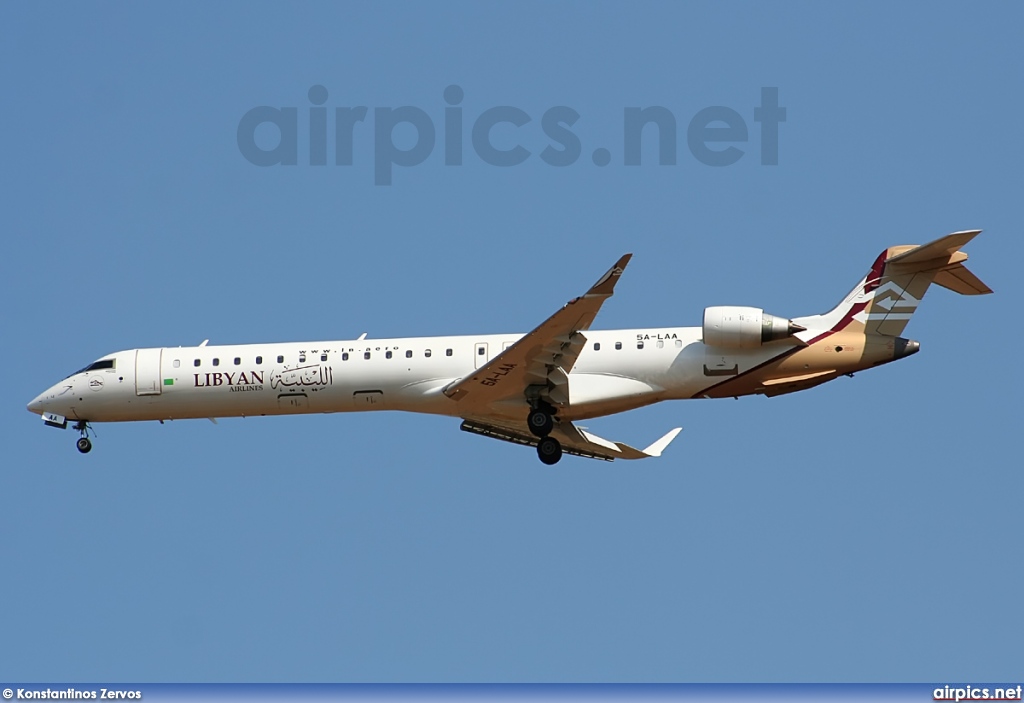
[(884, 300)]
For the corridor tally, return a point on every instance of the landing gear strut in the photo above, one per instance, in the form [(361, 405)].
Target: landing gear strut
[(84, 444)]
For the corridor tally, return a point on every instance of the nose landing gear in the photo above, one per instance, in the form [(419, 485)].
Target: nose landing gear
[(84, 444)]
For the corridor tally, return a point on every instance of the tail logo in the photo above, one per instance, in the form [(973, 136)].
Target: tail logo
[(902, 298), (887, 297)]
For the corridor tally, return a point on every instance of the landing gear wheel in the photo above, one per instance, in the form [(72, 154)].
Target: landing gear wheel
[(84, 444), (549, 450), (540, 422)]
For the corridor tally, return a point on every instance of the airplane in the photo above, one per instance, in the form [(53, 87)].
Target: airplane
[(530, 389)]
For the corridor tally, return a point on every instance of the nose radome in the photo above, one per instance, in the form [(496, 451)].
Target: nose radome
[(36, 406)]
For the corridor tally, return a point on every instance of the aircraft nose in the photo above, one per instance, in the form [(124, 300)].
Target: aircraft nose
[(36, 406)]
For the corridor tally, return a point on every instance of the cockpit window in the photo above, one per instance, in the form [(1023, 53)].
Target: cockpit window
[(96, 366)]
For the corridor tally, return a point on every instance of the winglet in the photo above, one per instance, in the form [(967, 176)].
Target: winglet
[(628, 452), (658, 447), (606, 284)]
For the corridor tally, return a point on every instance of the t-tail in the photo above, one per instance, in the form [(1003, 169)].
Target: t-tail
[(884, 300)]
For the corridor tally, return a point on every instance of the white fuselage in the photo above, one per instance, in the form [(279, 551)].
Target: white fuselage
[(526, 388), (618, 370)]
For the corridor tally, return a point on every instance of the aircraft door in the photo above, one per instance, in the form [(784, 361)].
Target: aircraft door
[(480, 355), (147, 371)]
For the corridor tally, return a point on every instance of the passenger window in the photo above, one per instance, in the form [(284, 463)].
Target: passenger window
[(323, 357), (302, 358), (238, 360), (426, 353), (408, 353), (661, 343), (639, 345), (597, 346), (196, 363), (280, 359), (679, 343), (366, 355), (618, 345), (387, 355), (177, 363), (447, 352), (216, 362), (259, 360), (344, 356)]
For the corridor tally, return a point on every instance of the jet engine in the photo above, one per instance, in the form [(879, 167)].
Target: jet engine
[(744, 328)]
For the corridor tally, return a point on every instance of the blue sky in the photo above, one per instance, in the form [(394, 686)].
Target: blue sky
[(867, 530)]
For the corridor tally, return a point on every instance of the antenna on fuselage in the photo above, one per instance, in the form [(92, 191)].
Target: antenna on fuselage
[(205, 342), (361, 337)]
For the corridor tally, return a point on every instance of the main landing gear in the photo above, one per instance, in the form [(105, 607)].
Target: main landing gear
[(549, 450), (84, 444), (541, 421)]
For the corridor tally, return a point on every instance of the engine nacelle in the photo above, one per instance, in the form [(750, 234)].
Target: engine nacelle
[(736, 327)]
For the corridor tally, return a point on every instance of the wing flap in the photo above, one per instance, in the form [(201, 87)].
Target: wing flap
[(523, 436), (574, 440)]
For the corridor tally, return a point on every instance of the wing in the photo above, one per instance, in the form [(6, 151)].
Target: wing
[(574, 440), (543, 358)]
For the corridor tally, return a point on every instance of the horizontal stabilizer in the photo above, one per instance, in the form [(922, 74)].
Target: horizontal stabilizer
[(941, 248), (960, 280), (943, 256)]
